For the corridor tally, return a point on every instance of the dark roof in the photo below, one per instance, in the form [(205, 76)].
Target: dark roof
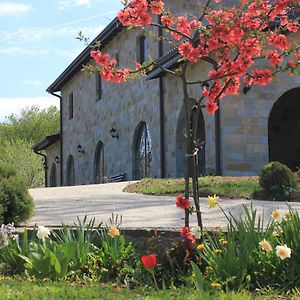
[(46, 142), (104, 37), (169, 60)]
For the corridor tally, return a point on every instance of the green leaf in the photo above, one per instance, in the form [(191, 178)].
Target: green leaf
[(199, 281)]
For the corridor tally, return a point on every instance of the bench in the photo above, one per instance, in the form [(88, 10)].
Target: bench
[(117, 178)]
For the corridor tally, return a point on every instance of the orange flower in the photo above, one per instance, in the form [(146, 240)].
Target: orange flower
[(113, 231), (201, 247)]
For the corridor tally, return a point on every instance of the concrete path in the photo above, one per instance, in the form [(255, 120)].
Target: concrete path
[(54, 206)]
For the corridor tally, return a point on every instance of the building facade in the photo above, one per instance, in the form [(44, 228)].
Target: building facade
[(137, 127)]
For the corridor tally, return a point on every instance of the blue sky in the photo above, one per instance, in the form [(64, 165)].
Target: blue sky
[(37, 42)]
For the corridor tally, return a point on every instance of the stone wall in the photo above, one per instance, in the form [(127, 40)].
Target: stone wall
[(123, 107)]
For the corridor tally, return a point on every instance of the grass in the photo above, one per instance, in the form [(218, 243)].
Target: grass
[(18, 289), (228, 187), (225, 187)]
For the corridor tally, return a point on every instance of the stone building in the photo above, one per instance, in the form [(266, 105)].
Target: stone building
[(137, 127)]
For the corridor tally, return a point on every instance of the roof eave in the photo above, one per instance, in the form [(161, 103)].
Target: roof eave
[(46, 142)]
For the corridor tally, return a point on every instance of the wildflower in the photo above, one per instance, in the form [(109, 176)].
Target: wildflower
[(224, 242), (212, 201), (265, 245), (215, 284), (277, 215), (201, 247), (113, 231), (283, 252), (149, 261), (42, 232), (275, 233), (181, 202), (196, 231)]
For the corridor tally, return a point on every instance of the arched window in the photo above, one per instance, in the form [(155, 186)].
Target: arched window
[(53, 175), (284, 130), (99, 163), (70, 171), (142, 152)]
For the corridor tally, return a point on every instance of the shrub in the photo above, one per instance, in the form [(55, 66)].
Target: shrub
[(277, 180), (16, 204)]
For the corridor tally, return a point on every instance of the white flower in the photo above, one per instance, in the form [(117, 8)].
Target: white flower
[(196, 231), (277, 215), (265, 245), (43, 232), (283, 252)]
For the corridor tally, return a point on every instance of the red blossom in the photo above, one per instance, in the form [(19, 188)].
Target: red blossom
[(184, 231), (157, 7), (262, 77), (181, 202), (167, 21), (274, 57), (279, 41), (211, 107), (149, 261)]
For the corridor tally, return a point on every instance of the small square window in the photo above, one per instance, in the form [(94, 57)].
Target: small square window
[(71, 106), (98, 86)]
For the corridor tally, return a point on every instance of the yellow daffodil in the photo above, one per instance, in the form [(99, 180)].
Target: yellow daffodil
[(218, 251), (113, 231), (215, 284), (265, 245), (212, 201)]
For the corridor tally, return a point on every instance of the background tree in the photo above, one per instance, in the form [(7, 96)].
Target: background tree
[(19, 133), (32, 124), (231, 40)]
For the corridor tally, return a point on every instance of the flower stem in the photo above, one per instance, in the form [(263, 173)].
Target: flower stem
[(154, 279)]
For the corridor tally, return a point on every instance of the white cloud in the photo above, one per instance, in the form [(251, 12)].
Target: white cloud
[(31, 82), (64, 4), (14, 105), (8, 8), (35, 34)]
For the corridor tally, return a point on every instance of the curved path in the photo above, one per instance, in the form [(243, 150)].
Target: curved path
[(54, 206)]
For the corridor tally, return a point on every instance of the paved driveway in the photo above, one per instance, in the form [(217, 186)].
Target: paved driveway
[(63, 204)]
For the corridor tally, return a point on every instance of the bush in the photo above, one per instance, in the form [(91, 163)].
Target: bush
[(277, 180), (16, 204)]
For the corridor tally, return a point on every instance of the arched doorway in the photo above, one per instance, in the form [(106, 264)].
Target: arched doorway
[(53, 176), (70, 171), (99, 163), (181, 144), (142, 147), (284, 130)]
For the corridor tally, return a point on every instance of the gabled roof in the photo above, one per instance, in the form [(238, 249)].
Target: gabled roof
[(46, 142), (104, 37)]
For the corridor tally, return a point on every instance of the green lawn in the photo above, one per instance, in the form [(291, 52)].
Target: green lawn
[(17, 289), (231, 187)]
